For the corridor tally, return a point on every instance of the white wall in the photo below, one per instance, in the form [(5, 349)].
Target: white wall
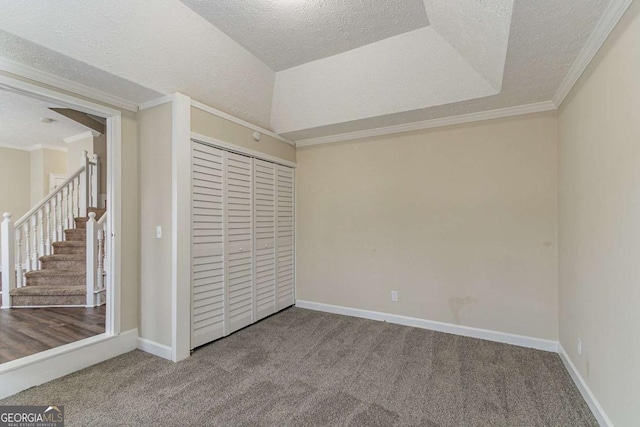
[(460, 220), (600, 223)]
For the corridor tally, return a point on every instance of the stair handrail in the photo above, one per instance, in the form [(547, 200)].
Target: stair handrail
[(32, 236), (48, 197)]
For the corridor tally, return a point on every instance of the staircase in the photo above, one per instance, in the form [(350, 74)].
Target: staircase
[(55, 254), (62, 277)]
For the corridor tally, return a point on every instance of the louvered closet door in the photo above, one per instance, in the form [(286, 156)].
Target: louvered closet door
[(239, 247), (265, 226), (284, 235), (207, 289)]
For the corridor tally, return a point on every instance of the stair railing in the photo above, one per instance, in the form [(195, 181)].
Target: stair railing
[(33, 235), (96, 257)]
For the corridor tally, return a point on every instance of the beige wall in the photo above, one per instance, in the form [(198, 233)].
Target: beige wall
[(44, 162), (460, 220), (155, 137), (36, 167), (74, 153), (216, 127), (15, 182), (600, 223), (130, 222), (92, 145), (100, 148)]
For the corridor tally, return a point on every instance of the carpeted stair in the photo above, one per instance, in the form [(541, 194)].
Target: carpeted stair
[(62, 277)]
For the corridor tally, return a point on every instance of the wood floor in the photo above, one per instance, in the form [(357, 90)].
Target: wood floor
[(26, 331)]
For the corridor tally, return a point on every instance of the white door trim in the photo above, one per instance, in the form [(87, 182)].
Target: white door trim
[(114, 195), (181, 227)]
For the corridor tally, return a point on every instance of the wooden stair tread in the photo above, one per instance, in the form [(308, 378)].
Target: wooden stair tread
[(69, 243), (63, 257), (56, 273), (61, 280), (49, 290)]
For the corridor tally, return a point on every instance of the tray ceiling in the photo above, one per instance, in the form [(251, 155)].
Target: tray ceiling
[(310, 68), (286, 33)]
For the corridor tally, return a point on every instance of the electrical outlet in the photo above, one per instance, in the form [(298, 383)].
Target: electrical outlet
[(579, 347), (159, 232), (394, 295)]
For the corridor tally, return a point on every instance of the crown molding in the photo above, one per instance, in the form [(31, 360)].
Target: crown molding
[(215, 112), (83, 135), (612, 15), (47, 147), (428, 124), (33, 147), (43, 77), (16, 147), (155, 102)]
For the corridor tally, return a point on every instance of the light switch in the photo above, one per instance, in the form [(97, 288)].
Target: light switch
[(159, 232)]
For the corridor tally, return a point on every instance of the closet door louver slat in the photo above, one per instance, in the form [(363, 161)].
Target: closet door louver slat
[(265, 227), (239, 247), (207, 290), (285, 240)]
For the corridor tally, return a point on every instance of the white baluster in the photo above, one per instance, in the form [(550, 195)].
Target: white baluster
[(77, 199), (42, 230), (67, 219), (48, 242), (27, 246), (95, 182), (101, 258), (60, 219), (19, 269), (35, 259), (72, 198), (84, 183)]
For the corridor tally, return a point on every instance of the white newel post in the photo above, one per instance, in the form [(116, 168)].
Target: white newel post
[(92, 259), (95, 183), (84, 183), (8, 260)]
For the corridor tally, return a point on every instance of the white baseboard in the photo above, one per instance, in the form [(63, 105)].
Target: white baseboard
[(154, 348), (502, 337), (46, 366), (588, 396)]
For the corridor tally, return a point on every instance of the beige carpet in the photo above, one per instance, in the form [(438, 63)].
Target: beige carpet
[(307, 368)]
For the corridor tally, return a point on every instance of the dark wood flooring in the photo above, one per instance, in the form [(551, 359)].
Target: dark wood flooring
[(26, 331)]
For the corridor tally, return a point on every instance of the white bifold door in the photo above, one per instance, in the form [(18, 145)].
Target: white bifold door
[(242, 241)]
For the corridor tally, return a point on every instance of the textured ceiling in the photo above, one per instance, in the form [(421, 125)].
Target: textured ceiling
[(25, 52), (20, 123), (514, 53), (161, 45), (546, 38), (412, 70), (286, 33)]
